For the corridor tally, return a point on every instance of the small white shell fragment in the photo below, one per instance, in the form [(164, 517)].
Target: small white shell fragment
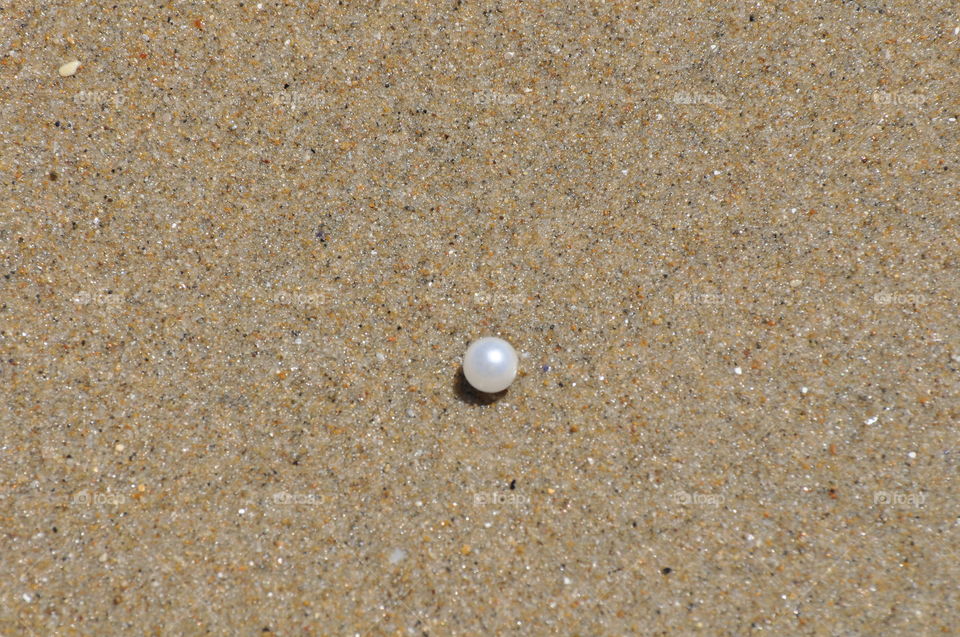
[(69, 68)]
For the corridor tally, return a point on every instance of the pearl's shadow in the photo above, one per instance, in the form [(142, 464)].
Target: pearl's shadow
[(466, 393)]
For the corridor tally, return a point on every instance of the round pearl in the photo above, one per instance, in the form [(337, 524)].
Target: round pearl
[(490, 364)]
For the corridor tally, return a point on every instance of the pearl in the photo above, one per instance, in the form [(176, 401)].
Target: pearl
[(490, 364)]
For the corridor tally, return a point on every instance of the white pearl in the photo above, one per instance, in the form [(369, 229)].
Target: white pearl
[(490, 364)]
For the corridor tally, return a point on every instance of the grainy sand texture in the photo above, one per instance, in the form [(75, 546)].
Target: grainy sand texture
[(244, 246)]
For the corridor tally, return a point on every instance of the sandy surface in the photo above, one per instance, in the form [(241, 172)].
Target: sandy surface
[(245, 245)]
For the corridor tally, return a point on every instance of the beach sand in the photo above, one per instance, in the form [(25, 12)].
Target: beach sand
[(245, 245)]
